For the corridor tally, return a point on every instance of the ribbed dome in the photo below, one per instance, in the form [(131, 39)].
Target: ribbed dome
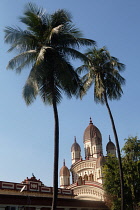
[(75, 146), (110, 145), (64, 171), (93, 134), (100, 161)]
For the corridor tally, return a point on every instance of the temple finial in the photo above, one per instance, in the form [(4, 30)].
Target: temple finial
[(64, 162), (109, 138), (74, 139), (90, 121)]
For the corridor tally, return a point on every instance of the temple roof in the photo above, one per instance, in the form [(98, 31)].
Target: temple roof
[(75, 146), (92, 134), (64, 171)]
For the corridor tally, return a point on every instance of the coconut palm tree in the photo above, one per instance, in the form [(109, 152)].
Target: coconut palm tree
[(46, 47), (103, 70)]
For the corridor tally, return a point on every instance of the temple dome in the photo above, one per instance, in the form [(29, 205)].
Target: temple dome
[(75, 146), (110, 145), (64, 171), (92, 134)]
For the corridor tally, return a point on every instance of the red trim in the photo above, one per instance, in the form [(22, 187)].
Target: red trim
[(31, 187), (8, 185)]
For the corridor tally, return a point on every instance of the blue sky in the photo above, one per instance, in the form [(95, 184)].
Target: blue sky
[(26, 133)]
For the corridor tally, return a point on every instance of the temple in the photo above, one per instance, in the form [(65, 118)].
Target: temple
[(86, 173)]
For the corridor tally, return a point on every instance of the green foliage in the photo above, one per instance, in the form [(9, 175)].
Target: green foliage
[(132, 149), (131, 171), (112, 182), (131, 166), (46, 46), (102, 70)]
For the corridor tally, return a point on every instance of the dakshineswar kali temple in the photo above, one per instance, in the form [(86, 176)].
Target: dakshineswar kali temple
[(87, 175), (84, 193)]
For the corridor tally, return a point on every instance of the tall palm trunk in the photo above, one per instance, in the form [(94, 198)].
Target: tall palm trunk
[(118, 152), (56, 156)]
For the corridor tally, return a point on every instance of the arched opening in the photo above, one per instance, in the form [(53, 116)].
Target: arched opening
[(91, 177), (88, 151), (86, 177), (80, 181)]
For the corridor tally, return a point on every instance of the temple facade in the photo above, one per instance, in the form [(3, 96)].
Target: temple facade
[(86, 173)]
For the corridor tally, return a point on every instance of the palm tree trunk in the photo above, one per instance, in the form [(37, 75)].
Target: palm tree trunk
[(118, 152), (56, 156)]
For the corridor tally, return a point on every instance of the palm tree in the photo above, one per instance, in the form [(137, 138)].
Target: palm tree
[(103, 71), (46, 46)]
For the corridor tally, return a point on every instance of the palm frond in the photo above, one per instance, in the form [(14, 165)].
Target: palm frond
[(86, 42), (41, 55), (30, 90), (48, 95), (103, 69), (20, 40), (22, 60), (54, 32), (33, 16), (74, 54), (59, 17), (82, 69), (12, 34)]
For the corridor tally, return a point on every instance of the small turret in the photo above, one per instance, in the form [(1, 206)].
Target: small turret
[(64, 176), (110, 147), (75, 151)]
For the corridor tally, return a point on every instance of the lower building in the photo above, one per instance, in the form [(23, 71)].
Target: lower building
[(32, 194)]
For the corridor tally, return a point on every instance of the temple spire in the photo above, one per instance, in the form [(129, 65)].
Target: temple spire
[(90, 121)]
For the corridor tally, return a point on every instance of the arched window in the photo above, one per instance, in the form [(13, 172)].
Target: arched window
[(91, 177), (88, 150), (73, 155), (80, 180), (86, 177)]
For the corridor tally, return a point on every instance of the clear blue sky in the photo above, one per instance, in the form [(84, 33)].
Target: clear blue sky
[(27, 133)]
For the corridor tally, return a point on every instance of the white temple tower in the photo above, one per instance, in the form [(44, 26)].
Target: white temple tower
[(75, 151)]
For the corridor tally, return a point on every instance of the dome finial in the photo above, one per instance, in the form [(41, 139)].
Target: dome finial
[(64, 162), (90, 121), (109, 138), (74, 139)]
